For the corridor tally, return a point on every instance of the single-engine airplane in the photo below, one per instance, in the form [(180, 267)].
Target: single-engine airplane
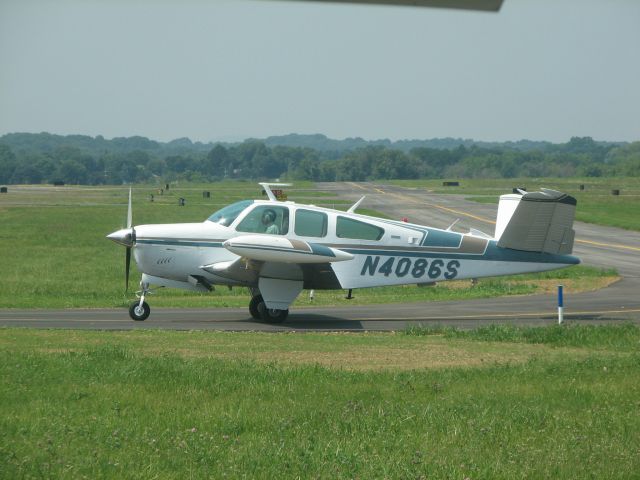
[(277, 248)]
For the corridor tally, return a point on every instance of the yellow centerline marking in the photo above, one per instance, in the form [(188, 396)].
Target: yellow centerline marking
[(379, 190), (366, 319), (498, 315), (458, 212), (611, 245), (486, 220), (356, 185)]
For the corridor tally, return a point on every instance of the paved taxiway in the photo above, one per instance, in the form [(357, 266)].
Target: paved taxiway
[(595, 245)]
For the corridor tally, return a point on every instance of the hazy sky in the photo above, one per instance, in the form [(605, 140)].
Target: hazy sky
[(538, 69)]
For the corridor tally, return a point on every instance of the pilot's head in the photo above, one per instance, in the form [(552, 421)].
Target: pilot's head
[(269, 216)]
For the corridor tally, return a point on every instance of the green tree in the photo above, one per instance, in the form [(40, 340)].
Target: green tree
[(7, 163), (157, 166), (71, 171), (218, 162)]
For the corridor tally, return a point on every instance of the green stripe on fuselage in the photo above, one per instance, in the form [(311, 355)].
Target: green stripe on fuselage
[(492, 253), (179, 243)]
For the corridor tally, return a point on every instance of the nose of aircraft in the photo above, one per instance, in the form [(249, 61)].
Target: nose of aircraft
[(126, 237)]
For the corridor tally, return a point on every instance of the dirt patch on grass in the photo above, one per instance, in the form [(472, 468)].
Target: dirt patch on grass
[(430, 356), (575, 285), (352, 352), (434, 353)]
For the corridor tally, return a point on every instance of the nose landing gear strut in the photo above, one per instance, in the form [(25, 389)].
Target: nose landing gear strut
[(140, 310)]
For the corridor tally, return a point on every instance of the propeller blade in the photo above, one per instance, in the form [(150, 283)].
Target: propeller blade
[(126, 269), (129, 212)]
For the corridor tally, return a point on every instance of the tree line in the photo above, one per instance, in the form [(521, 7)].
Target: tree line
[(45, 158)]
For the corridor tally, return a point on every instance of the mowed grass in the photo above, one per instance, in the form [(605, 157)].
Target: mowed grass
[(55, 254), (493, 403), (596, 204)]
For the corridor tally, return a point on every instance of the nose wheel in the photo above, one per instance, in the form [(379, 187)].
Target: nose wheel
[(140, 310)]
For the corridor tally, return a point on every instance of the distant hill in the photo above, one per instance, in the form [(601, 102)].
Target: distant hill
[(324, 144), (47, 142)]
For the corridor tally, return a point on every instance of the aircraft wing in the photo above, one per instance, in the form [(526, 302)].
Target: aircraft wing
[(484, 5)]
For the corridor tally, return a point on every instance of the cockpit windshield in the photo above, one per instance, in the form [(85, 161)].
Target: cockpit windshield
[(225, 216)]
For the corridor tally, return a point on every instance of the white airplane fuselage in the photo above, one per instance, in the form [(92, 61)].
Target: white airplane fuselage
[(278, 248), (403, 255)]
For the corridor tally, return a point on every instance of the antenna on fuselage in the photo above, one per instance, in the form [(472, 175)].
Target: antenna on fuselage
[(452, 225), (267, 189), (356, 205)]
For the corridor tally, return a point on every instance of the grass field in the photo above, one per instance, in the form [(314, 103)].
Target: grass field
[(499, 402), (55, 254), (596, 204)]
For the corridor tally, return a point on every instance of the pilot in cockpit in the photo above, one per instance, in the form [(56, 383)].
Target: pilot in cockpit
[(268, 219)]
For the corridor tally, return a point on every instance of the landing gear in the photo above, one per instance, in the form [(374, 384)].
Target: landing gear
[(254, 306), (140, 310), (259, 311), (271, 315)]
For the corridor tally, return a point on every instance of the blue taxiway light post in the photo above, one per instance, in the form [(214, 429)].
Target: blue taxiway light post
[(560, 305)]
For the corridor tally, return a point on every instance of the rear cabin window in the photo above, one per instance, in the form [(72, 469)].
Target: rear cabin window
[(349, 228), (310, 223)]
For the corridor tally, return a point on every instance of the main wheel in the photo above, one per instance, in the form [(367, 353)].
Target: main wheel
[(139, 313), (253, 307), (272, 315)]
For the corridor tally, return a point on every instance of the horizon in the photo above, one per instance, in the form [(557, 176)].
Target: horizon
[(369, 140)]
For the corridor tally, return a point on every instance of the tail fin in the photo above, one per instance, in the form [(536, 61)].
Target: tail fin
[(536, 222)]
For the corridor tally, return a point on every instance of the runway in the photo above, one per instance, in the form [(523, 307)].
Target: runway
[(591, 307), (595, 245)]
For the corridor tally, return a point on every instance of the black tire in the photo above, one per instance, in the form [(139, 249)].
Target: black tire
[(253, 307), (271, 315), (139, 314)]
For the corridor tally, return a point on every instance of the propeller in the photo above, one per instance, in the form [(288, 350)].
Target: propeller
[(127, 238), (126, 269), (133, 239)]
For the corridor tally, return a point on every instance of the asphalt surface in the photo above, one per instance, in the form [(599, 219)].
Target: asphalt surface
[(595, 245)]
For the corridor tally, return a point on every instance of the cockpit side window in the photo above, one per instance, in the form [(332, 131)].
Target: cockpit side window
[(310, 223), (266, 219), (225, 216), (350, 228)]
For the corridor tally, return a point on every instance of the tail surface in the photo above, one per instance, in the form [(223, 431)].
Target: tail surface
[(536, 222)]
